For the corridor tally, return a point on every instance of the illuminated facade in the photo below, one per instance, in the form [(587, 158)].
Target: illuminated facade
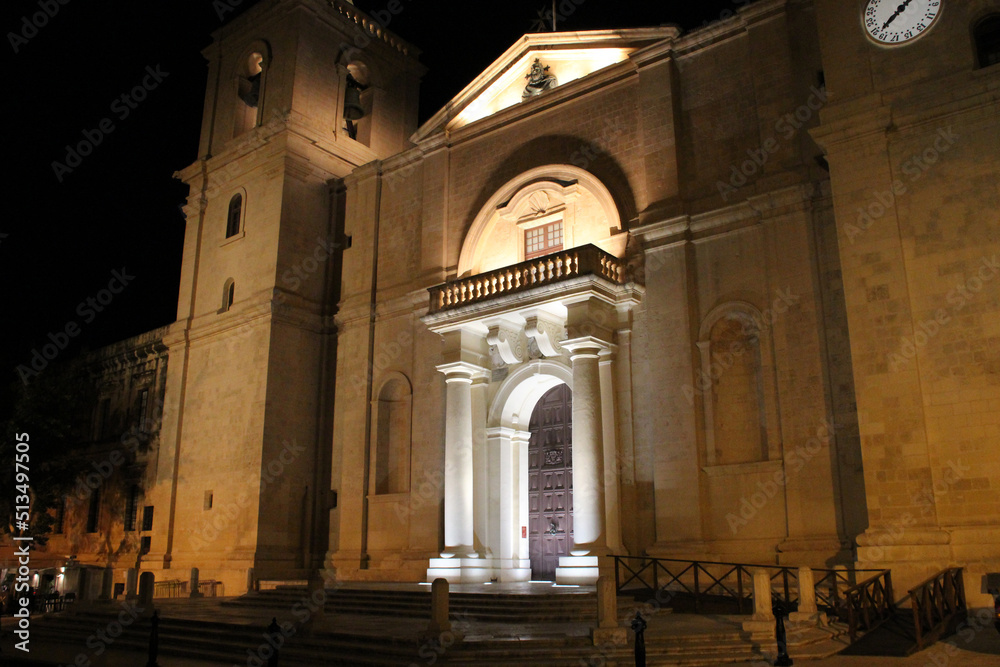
[(723, 295)]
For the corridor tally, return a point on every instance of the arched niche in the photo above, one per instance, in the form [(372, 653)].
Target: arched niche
[(738, 386), (391, 430)]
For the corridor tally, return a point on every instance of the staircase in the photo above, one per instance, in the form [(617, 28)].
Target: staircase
[(691, 651), (577, 607), (385, 626)]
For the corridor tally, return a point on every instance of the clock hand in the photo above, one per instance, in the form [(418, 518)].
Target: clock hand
[(899, 10)]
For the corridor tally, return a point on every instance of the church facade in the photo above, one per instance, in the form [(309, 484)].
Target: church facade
[(725, 295)]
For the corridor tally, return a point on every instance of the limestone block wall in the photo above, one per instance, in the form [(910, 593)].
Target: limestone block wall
[(252, 393), (913, 154), (705, 110)]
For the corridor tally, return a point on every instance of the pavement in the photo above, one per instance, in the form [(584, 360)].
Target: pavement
[(976, 643)]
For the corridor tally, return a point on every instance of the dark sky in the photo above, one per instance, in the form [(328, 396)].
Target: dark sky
[(62, 235)]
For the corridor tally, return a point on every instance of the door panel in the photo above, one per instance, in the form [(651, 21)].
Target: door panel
[(550, 482)]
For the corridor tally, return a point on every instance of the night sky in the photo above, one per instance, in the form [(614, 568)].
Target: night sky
[(63, 234)]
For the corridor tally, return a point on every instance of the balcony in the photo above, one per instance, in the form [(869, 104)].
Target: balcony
[(557, 267)]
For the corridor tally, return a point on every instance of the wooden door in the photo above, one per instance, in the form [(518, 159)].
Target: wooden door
[(550, 482)]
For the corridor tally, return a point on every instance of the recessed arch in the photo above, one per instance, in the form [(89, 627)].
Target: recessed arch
[(563, 182), (986, 39), (741, 309), (738, 371), (517, 396), (391, 431), (250, 80)]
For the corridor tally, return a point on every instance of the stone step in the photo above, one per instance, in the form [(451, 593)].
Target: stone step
[(533, 652), (416, 604), (227, 642)]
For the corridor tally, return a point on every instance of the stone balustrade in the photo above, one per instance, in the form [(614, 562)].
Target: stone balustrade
[(562, 265), (373, 28)]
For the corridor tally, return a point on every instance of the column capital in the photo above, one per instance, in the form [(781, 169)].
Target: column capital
[(462, 371), (585, 346)]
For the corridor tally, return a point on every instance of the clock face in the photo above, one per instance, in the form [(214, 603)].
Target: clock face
[(891, 22)]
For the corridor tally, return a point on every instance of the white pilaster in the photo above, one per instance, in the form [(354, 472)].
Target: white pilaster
[(590, 534), (459, 500), (612, 493)]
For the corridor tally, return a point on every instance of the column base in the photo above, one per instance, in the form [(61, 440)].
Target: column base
[(609, 636), (759, 628), (816, 618), (477, 570), (578, 570)]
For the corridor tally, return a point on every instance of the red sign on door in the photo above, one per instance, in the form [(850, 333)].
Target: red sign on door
[(524, 531)]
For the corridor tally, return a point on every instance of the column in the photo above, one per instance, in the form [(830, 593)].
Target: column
[(590, 535), (612, 492), (459, 501)]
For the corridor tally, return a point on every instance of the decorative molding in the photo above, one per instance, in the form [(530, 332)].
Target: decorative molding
[(508, 343), (754, 467), (546, 334)]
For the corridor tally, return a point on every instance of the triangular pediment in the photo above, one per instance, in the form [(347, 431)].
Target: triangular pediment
[(569, 56)]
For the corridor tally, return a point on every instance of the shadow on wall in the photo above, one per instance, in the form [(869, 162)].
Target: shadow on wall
[(590, 155)]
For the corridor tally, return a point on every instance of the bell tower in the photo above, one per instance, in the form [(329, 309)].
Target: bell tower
[(243, 473)]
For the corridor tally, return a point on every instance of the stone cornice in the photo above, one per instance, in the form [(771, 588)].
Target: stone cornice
[(845, 132), (725, 29), (623, 73), (633, 38), (753, 211)]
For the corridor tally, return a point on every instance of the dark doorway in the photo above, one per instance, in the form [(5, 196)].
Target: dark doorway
[(550, 482)]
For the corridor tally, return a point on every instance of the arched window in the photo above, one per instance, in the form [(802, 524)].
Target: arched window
[(249, 92), (392, 437), (228, 294), (235, 217), (987, 37)]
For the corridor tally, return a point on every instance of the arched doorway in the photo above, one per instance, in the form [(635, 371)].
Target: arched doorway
[(550, 482)]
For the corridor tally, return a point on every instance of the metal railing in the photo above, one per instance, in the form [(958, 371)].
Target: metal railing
[(170, 588), (937, 602), (732, 582), (211, 588), (869, 603)]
